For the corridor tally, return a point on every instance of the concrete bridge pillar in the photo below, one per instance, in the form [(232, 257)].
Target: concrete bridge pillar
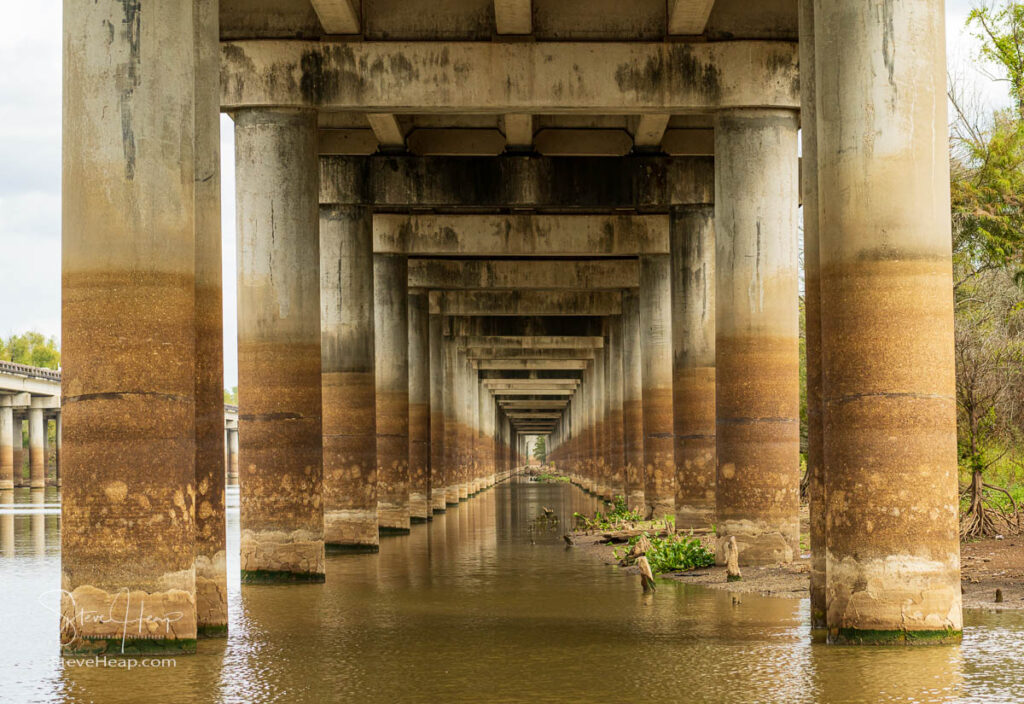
[(348, 377), (692, 235), (128, 328), (391, 334), (756, 335), (602, 469), (211, 528), (36, 448), (19, 451), (656, 354), (632, 402), (232, 441), (890, 456), (614, 386), (279, 394), (6, 446), (451, 419), (438, 478), (58, 433), (815, 480), (419, 407)]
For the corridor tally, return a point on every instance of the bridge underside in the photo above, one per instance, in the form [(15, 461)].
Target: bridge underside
[(463, 223)]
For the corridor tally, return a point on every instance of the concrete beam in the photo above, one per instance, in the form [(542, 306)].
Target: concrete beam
[(527, 383), (525, 303), (651, 130), (689, 142), (387, 130), (524, 235), (513, 16), (559, 403), (346, 141), (530, 364), (519, 131), (688, 16), (337, 16), (439, 274), (501, 78), (445, 141), (15, 400), (583, 142), (502, 353), (636, 182), (535, 392), (534, 416), (533, 342)]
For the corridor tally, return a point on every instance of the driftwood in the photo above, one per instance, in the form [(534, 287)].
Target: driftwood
[(646, 575), (623, 536), (732, 561)]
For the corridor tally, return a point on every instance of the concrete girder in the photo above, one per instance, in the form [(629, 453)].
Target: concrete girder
[(516, 274), (486, 77), (519, 131), (651, 130), (534, 416), (337, 16), (688, 16), (641, 182), (535, 392), (525, 303), (533, 404), (525, 235), (534, 341), (530, 364), (513, 16), (500, 353), (387, 130)]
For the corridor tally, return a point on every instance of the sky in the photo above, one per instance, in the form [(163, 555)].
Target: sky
[(30, 123)]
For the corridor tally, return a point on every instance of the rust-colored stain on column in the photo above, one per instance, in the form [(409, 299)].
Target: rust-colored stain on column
[(350, 462), (419, 461), (393, 461)]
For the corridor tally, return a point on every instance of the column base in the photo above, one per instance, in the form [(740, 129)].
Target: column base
[(392, 518), (853, 636), (659, 509), (211, 596), (451, 496), (758, 542), (6, 484), (636, 501), (212, 631), (270, 557), (463, 491), (419, 509), (351, 530), (694, 516)]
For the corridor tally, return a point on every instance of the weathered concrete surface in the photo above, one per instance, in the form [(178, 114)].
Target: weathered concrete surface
[(438, 478), (525, 303), (232, 441), (613, 387), (756, 336), (451, 420), (529, 77), (36, 449), (6, 446), (601, 466), (528, 181), (348, 378), (612, 274), (211, 530), (419, 408), (391, 334), (533, 342), (892, 560), (480, 353), (693, 363), (632, 402), (812, 312), (656, 365), (520, 234), (128, 328), (279, 401)]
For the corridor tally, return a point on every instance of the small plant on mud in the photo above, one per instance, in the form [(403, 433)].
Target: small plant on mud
[(671, 553), (620, 513)]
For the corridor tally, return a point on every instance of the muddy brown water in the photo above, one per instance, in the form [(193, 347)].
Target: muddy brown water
[(483, 605)]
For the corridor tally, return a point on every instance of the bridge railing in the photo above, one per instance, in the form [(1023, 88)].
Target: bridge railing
[(29, 371)]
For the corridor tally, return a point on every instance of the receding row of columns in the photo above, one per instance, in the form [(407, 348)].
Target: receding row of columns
[(13, 450)]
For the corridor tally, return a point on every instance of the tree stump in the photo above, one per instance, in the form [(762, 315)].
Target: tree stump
[(732, 561), (646, 576)]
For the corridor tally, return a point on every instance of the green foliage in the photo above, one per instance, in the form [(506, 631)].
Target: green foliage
[(540, 450), (999, 28), (552, 478), (31, 348), (231, 396), (672, 553), (620, 513)]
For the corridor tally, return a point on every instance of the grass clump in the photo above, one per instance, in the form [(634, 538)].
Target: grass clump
[(671, 553), (620, 513)]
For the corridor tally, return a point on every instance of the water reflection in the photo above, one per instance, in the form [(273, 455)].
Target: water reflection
[(482, 605)]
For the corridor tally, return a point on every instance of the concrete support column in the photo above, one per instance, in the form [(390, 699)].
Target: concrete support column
[(419, 407), (601, 468), (348, 378), (19, 451), (890, 456), (692, 236), (36, 448), (279, 394), (632, 402), (6, 447), (815, 480), (391, 332), (616, 430), (58, 432), (438, 478), (756, 335), (232, 441), (451, 420), (656, 352), (211, 527), (128, 328)]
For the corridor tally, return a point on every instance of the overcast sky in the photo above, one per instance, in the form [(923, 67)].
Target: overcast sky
[(30, 121)]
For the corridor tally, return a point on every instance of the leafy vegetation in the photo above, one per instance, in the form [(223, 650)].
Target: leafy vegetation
[(31, 348), (540, 450), (231, 396), (671, 553), (620, 513)]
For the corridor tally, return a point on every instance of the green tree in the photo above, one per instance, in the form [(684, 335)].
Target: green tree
[(231, 396), (31, 348), (540, 450)]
